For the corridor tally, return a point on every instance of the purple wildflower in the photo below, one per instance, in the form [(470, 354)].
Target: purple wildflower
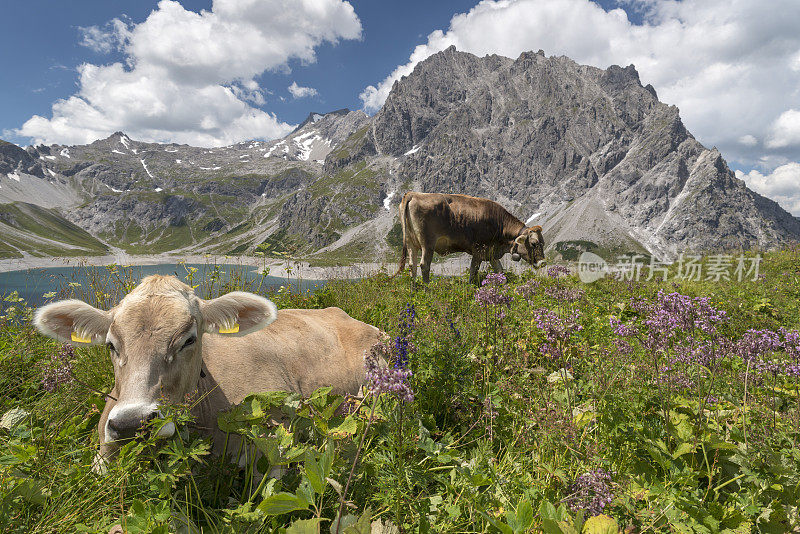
[(59, 370), (621, 329), (496, 279), (489, 294), (556, 271), (530, 288), (557, 330), (383, 379), (591, 491), (564, 294), (758, 347), (453, 327), (402, 342)]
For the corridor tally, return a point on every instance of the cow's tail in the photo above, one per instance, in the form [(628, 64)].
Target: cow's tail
[(403, 223)]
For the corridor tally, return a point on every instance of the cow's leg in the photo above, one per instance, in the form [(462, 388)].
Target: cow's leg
[(427, 258), (414, 262), (474, 265), (496, 265)]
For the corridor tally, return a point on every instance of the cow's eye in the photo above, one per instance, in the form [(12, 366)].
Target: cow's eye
[(189, 342), (111, 347)]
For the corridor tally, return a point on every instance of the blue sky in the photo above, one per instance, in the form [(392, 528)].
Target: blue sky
[(44, 38), (166, 72)]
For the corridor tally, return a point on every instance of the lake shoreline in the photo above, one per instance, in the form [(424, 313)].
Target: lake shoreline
[(293, 269)]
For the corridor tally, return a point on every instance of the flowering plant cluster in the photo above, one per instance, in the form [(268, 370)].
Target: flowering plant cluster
[(564, 294), (489, 295), (556, 271), (758, 348), (591, 491), (382, 378), (402, 342), (557, 330), (675, 324), (59, 370)]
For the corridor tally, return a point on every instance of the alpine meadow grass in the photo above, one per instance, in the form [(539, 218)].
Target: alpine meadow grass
[(531, 403)]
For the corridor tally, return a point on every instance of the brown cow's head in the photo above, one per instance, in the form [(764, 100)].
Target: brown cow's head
[(155, 339), (529, 246)]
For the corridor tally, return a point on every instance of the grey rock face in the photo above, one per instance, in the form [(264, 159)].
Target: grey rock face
[(549, 137), (14, 159)]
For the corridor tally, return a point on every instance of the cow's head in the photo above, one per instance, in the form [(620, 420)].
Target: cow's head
[(529, 246), (154, 337)]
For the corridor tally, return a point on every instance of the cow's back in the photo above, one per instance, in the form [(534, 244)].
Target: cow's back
[(456, 223), (300, 351)]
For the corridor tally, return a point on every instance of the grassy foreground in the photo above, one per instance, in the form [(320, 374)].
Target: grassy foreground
[(539, 404)]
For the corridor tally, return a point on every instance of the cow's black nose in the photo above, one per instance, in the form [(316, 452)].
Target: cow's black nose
[(124, 427), (121, 429)]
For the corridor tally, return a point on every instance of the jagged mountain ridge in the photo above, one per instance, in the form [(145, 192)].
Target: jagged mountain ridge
[(590, 154), (147, 197)]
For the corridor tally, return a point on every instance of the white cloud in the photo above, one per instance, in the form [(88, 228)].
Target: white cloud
[(748, 140), (786, 130), (780, 185), (727, 64), (299, 91), (104, 40), (190, 77)]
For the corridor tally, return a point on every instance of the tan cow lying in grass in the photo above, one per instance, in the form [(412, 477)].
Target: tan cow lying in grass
[(166, 343)]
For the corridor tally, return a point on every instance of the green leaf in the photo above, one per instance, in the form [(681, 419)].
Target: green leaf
[(550, 526), (499, 525), (326, 460), (683, 448), (600, 524), (525, 515), (282, 503), (304, 526), (348, 427), (362, 526), (314, 473)]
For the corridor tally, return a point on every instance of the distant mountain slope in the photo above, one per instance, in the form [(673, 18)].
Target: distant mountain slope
[(27, 229), (150, 197), (590, 154)]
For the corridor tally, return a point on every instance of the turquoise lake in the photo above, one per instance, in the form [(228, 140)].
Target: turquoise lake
[(33, 284)]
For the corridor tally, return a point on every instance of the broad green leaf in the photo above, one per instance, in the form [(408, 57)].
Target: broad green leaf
[(326, 460), (600, 524), (313, 472), (550, 526), (362, 526), (683, 448), (348, 427), (282, 503), (304, 526), (525, 515)]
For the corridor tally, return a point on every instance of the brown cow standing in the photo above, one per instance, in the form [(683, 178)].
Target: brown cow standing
[(459, 223)]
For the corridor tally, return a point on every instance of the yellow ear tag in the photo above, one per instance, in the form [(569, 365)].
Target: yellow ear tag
[(78, 339), (232, 330)]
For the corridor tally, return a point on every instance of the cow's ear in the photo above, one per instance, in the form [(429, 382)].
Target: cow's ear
[(237, 313), (536, 228), (73, 321)]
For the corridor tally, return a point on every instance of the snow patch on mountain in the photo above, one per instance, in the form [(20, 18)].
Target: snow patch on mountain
[(387, 202), (146, 169)]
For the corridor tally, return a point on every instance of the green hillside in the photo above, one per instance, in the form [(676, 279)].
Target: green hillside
[(42, 232)]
